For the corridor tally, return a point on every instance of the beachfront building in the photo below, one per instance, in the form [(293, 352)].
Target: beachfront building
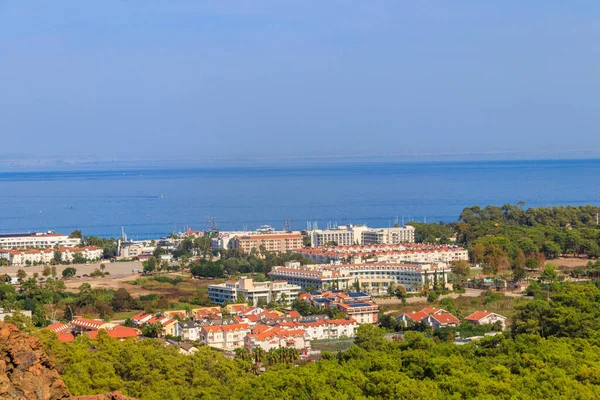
[(88, 253), (40, 240), (24, 257), (386, 253), (372, 278), (253, 292), (273, 242), (360, 235)]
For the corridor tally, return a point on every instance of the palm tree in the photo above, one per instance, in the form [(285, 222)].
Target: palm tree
[(258, 355)]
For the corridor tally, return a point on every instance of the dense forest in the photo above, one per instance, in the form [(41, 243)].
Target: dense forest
[(513, 239), (552, 351)]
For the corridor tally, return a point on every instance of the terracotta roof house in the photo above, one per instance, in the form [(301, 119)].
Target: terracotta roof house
[(486, 318)]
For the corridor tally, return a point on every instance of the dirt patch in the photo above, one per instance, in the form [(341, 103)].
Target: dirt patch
[(571, 262)]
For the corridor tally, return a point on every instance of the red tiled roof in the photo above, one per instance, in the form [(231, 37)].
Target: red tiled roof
[(118, 332), (478, 315), (226, 328), (416, 316), (252, 318), (140, 316), (87, 323), (445, 318), (58, 327), (65, 337)]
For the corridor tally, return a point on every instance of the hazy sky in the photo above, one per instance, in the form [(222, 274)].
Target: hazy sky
[(256, 78)]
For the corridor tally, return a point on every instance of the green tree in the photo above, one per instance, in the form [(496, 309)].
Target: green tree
[(549, 274), (69, 272), (76, 234), (21, 274), (150, 265)]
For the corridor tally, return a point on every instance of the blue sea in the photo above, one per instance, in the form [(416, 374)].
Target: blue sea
[(152, 202)]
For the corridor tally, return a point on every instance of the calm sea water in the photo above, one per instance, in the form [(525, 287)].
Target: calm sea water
[(155, 202)]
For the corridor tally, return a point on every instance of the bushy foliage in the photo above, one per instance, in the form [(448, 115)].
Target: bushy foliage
[(526, 367)]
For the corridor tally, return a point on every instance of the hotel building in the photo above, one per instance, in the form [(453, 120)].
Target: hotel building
[(370, 277), (279, 291), (37, 240)]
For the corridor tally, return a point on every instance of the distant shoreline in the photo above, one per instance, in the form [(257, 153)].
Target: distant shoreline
[(27, 164)]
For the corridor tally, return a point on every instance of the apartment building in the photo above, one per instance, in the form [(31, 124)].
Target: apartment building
[(45, 256), (362, 312), (369, 277), (394, 235), (276, 337), (40, 240), (360, 234), (277, 242), (224, 336), (278, 291)]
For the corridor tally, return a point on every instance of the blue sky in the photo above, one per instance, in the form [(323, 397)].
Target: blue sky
[(168, 79)]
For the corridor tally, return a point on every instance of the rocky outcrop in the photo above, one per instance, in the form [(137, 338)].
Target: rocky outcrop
[(27, 373)]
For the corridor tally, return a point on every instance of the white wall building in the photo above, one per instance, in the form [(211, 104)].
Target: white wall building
[(369, 276), (224, 336), (279, 291), (360, 234), (40, 240), (45, 256)]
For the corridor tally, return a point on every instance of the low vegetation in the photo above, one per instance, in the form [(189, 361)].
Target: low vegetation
[(552, 351)]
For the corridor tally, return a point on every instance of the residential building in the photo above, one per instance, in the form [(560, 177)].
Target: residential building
[(279, 291), (275, 337), (486, 318), (273, 242), (363, 312), (414, 317), (187, 349), (322, 329), (205, 312), (88, 253), (171, 327), (190, 331), (40, 240), (141, 318), (224, 336), (434, 317), (21, 257), (441, 320)]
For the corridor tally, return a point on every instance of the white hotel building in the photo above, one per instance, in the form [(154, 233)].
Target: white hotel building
[(253, 291), (370, 277), (41, 240), (360, 234)]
